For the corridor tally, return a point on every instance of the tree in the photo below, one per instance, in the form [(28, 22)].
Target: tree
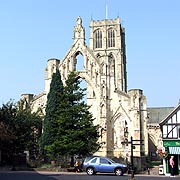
[(74, 131), (53, 110), (7, 114), (28, 128), (17, 129), (7, 135), (81, 135)]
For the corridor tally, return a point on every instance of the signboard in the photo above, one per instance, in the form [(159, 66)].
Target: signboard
[(171, 143)]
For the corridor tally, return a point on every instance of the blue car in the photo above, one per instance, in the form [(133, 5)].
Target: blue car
[(94, 164)]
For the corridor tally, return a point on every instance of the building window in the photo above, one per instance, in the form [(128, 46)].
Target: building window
[(98, 39), (170, 131), (164, 131), (111, 38)]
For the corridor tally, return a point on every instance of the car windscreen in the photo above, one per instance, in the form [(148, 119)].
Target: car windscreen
[(87, 159)]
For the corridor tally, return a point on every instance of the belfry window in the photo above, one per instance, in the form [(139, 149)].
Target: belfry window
[(98, 39), (111, 38)]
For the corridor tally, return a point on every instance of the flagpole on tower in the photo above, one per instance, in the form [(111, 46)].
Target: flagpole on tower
[(106, 9)]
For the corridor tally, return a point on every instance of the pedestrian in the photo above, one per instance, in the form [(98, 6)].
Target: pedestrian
[(76, 165), (171, 162)]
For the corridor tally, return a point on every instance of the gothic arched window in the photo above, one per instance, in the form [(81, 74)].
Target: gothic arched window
[(98, 39), (111, 38)]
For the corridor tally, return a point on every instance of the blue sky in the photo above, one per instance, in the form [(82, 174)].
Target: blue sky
[(33, 31)]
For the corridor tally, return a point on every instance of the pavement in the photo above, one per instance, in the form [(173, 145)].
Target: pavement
[(152, 172)]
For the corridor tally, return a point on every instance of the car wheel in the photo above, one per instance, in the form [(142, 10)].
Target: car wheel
[(90, 171), (118, 172)]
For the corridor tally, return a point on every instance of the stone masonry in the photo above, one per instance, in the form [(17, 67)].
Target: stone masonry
[(114, 107)]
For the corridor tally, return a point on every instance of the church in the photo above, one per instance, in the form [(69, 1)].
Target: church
[(121, 113)]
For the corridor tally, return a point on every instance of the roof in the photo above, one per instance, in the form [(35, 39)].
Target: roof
[(163, 121), (157, 114)]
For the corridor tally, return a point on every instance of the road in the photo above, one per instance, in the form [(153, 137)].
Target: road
[(15, 175)]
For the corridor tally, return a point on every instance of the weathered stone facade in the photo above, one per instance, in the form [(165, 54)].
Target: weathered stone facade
[(114, 107)]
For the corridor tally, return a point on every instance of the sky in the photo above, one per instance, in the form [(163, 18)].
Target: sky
[(33, 31)]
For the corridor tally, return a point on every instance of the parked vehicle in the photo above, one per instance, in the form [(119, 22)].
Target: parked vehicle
[(94, 164)]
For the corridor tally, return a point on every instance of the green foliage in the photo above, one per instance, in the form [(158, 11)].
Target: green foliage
[(68, 124), (53, 109), (28, 127), (19, 128), (81, 134)]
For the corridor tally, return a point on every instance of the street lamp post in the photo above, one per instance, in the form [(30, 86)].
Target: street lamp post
[(131, 142), (126, 142), (132, 158)]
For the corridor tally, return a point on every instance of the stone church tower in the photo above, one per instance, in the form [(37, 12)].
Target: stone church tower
[(114, 108)]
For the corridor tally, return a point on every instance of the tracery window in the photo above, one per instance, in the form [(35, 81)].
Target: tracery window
[(111, 38), (98, 39)]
